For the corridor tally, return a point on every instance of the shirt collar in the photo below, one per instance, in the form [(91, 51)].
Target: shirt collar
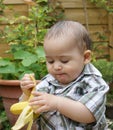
[(90, 69)]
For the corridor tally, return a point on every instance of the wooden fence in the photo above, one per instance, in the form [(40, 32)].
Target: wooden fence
[(15, 7), (98, 21)]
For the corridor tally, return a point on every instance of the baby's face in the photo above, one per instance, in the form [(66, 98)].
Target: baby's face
[(64, 60)]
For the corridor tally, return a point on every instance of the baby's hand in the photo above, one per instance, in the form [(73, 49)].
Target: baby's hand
[(27, 84), (43, 102)]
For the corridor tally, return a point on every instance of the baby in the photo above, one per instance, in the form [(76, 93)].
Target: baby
[(72, 95)]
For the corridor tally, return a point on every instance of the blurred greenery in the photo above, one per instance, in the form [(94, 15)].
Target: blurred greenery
[(25, 35), (106, 68)]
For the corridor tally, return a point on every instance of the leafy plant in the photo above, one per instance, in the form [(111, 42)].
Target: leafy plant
[(5, 123), (105, 4), (25, 36), (3, 118), (110, 96), (106, 68), (23, 62), (2, 6)]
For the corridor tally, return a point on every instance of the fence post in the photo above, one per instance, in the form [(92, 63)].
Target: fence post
[(110, 28)]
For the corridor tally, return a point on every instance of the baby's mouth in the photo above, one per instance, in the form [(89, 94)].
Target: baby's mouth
[(60, 75)]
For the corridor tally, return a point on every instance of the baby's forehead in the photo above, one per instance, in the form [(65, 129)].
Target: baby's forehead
[(58, 46), (61, 41)]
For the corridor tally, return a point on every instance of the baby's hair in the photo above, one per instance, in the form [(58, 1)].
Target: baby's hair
[(74, 30)]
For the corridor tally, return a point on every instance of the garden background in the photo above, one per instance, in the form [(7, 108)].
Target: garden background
[(97, 20), (95, 15)]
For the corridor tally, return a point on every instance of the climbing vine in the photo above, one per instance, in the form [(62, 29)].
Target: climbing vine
[(105, 4), (2, 6)]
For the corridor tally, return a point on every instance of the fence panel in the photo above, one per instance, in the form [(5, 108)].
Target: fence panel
[(98, 21)]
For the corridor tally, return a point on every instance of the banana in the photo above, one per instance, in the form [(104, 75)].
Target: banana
[(18, 107), (27, 116)]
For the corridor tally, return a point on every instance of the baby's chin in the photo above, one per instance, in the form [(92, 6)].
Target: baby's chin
[(64, 83)]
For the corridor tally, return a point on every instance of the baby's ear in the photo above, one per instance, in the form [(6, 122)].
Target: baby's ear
[(87, 56)]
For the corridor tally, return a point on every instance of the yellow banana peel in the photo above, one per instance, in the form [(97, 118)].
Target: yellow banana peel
[(26, 116), (17, 108)]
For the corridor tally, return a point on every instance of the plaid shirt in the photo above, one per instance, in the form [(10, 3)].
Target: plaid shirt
[(89, 89)]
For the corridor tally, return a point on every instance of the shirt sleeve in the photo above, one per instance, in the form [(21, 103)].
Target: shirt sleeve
[(95, 99), (92, 95)]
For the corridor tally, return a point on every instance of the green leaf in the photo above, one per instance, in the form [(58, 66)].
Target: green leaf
[(29, 60), (4, 62), (40, 52), (8, 69), (22, 54)]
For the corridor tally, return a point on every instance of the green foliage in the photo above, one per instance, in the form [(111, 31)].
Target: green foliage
[(106, 68), (23, 62), (2, 6), (105, 4), (111, 125), (5, 123), (25, 36), (99, 51), (3, 118), (110, 97)]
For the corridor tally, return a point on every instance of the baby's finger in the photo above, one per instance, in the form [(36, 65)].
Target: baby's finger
[(41, 109), (36, 93), (36, 101)]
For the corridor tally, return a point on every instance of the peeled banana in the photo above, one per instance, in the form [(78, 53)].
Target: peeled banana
[(26, 113), (17, 108)]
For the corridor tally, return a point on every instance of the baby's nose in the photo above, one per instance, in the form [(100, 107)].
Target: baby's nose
[(57, 66)]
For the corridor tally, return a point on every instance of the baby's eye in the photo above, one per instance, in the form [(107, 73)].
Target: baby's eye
[(50, 62), (65, 61)]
